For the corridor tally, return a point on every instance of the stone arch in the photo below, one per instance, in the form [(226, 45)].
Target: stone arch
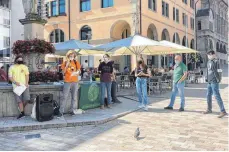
[(152, 32), (165, 35), (120, 29), (177, 38), (192, 44)]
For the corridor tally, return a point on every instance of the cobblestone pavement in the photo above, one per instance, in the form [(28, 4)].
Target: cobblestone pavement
[(160, 129)]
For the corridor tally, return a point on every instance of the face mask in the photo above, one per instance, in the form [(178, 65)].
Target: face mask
[(177, 62), (19, 62), (139, 62), (71, 58)]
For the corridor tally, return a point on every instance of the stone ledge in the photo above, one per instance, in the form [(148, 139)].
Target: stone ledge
[(119, 110)]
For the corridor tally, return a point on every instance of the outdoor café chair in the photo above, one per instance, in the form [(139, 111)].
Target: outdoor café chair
[(154, 85)]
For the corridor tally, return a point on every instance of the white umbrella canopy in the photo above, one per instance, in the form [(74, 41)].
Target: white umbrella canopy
[(178, 48), (135, 45), (80, 47)]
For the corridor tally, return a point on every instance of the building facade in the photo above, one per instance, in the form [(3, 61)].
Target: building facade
[(102, 21), (212, 29), (4, 29)]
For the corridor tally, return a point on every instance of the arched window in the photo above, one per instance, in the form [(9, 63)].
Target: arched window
[(85, 33), (165, 35), (184, 41), (176, 38), (125, 34), (224, 49), (192, 45), (217, 47), (56, 36), (221, 48), (210, 44), (199, 25)]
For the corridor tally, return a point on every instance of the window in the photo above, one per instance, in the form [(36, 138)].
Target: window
[(6, 42), (192, 4), (47, 9), (165, 9), (192, 23), (56, 36), (107, 3), (185, 1), (125, 34), (53, 8), (85, 33), (61, 6), (185, 19), (152, 4), (6, 23), (175, 13), (85, 5), (199, 25)]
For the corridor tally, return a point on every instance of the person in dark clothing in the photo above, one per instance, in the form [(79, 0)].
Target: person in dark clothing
[(114, 88), (213, 80), (106, 69)]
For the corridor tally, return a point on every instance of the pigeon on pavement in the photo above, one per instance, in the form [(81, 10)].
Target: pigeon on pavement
[(137, 133)]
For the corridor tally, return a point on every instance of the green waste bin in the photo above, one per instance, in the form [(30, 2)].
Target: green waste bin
[(89, 95)]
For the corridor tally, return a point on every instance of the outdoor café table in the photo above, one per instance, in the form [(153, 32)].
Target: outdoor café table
[(89, 95)]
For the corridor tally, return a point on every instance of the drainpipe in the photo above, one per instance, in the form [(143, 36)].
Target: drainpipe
[(69, 20)]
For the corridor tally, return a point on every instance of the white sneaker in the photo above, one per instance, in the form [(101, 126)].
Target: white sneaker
[(146, 108), (141, 106)]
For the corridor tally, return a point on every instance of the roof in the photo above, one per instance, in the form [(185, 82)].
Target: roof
[(202, 12)]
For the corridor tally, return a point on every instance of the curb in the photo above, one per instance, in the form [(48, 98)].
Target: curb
[(65, 123)]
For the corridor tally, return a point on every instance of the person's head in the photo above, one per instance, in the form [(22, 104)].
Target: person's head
[(178, 59), (100, 61), (71, 55), (18, 60), (140, 63), (106, 58), (85, 61), (211, 54)]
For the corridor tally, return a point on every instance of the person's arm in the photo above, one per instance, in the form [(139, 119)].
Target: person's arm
[(26, 77), (64, 67), (146, 74), (215, 72), (11, 77), (184, 75)]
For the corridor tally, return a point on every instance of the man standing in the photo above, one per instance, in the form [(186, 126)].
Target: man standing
[(213, 79), (71, 70), (19, 75), (179, 76)]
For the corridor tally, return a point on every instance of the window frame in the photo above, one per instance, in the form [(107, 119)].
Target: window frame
[(165, 9), (63, 5), (81, 2), (59, 34), (199, 26), (109, 5), (82, 30), (52, 10), (153, 5)]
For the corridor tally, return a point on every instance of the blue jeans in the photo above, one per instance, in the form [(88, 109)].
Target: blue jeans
[(106, 85), (213, 88), (177, 88), (141, 86)]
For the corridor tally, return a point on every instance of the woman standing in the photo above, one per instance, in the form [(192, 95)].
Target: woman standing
[(142, 73), (106, 69)]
